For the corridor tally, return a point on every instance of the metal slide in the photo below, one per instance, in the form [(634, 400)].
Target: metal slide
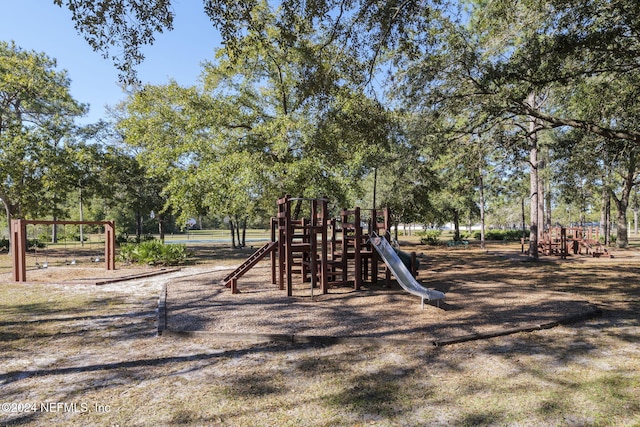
[(400, 271)]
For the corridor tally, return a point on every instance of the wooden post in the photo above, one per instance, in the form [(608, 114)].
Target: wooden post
[(110, 245), (282, 237), (358, 250), (374, 254), (287, 246), (563, 243), (324, 257), (274, 253), (18, 249), (313, 244), (345, 246)]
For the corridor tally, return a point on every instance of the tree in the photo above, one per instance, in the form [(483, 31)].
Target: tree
[(285, 117), (36, 116), (528, 66), (557, 42), (120, 28), (407, 181)]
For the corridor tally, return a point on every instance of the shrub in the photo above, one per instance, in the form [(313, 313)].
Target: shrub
[(430, 237), (125, 238), (122, 238), (507, 235), (33, 244), (154, 252)]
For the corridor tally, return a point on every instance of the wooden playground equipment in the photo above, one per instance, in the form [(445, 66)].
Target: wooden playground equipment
[(325, 252), (560, 240), (19, 243)]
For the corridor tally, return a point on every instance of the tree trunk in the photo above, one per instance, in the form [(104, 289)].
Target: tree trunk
[(81, 219), (375, 186), (533, 217), (161, 227), (233, 233), (524, 225), (622, 204), (547, 196), (8, 214), (607, 219), (482, 242), (138, 225), (535, 231), (11, 211), (297, 209), (541, 192), (622, 236), (244, 231), (456, 224), (605, 213), (238, 233)]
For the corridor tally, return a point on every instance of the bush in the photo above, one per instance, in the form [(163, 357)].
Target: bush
[(33, 244), (122, 238), (154, 252), (125, 238), (430, 237), (506, 235)]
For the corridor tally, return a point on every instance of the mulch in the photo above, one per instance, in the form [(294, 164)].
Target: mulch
[(477, 306)]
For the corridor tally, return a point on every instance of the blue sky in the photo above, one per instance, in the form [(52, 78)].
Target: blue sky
[(41, 26)]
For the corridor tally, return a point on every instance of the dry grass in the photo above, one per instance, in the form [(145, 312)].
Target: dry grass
[(95, 346)]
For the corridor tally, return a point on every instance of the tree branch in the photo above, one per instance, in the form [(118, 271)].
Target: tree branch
[(582, 124)]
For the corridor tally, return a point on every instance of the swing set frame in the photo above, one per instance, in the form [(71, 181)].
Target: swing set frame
[(19, 243)]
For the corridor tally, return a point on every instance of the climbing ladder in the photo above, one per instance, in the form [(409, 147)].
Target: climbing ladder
[(231, 279)]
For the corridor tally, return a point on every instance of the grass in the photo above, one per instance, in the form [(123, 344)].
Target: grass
[(96, 346)]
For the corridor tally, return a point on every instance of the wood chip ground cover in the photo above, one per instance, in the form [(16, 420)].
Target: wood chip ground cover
[(89, 355)]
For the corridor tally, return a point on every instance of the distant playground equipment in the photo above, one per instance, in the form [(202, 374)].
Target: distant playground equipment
[(326, 252), (19, 243), (560, 241)]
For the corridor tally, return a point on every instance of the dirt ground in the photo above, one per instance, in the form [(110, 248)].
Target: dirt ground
[(475, 306), (66, 340)]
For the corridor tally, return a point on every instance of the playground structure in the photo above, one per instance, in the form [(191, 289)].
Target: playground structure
[(405, 278), (326, 252), (18, 236), (560, 240)]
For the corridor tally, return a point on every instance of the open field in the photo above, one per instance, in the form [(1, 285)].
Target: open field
[(79, 354)]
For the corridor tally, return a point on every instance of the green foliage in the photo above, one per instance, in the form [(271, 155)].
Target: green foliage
[(119, 28), (430, 237), (506, 235), (33, 244), (154, 252), (36, 113), (282, 108), (124, 237), (261, 126)]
